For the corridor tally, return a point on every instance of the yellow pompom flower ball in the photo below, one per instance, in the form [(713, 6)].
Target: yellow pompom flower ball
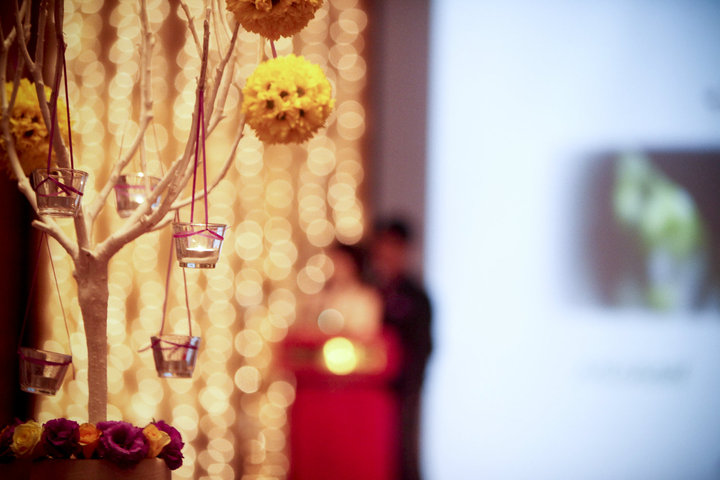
[(287, 99), (28, 130), (274, 18)]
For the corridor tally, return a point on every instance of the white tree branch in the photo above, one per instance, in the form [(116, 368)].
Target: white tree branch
[(222, 83), (91, 261), (142, 221), (221, 174), (20, 30), (40, 45), (53, 230), (221, 15), (191, 26)]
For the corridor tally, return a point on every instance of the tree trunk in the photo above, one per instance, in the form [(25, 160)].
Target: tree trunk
[(91, 274)]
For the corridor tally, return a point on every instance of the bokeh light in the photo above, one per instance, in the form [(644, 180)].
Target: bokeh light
[(339, 355)]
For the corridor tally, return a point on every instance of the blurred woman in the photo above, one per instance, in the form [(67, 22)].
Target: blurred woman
[(343, 420)]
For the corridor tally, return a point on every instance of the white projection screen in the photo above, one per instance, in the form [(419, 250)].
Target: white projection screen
[(573, 240)]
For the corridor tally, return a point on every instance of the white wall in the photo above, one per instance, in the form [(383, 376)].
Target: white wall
[(525, 383)]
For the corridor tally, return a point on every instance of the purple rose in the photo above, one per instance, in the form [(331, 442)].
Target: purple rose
[(122, 443), (172, 453), (6, 438), (60, 437)]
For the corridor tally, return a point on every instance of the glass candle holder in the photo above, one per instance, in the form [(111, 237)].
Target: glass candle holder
[(58, 191), (42, 371), (132, 190), (175, 355), (197, 245)]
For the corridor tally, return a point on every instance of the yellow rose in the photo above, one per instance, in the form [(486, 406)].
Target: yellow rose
[(25, 438), (157, 439), (89, 439)]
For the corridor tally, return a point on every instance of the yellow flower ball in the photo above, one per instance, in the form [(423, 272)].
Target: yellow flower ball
[(28, 130), (274, 18), (287, 99), (157, 439), (25, 438)]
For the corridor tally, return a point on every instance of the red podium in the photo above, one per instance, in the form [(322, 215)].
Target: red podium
[(343, 421)]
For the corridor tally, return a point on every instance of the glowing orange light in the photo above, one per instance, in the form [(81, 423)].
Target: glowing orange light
[(340, 356)]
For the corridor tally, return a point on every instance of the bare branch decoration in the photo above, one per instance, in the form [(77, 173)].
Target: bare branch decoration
[(90, 257)]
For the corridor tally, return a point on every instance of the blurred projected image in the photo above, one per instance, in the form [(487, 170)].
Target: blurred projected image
[(655, 241)]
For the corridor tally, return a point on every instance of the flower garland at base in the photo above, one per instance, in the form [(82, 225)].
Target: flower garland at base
[(119, 442)]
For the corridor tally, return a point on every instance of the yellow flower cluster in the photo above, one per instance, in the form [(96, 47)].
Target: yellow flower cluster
[(287, 99), (30, 136), (274, 18)]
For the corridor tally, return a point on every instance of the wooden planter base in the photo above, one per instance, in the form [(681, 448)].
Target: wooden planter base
[(148, 469)]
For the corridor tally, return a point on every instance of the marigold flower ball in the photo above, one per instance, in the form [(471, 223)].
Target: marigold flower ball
[(287, 100), (274, 18), (27, 127)]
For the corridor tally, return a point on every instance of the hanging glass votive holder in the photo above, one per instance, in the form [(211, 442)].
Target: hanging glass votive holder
[(58, 191), (197, 245), (42, 371), (132, 190), (175, 355)]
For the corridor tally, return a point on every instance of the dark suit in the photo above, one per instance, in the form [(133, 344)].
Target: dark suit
[(407, 312)]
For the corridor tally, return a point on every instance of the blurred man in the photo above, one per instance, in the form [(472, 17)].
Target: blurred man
[(406, 311)]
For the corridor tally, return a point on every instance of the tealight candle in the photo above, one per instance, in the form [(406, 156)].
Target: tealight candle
[(132, 190), (199, 257), (198, 245)]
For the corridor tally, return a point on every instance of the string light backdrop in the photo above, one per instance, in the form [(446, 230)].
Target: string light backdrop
[(283, 204)]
